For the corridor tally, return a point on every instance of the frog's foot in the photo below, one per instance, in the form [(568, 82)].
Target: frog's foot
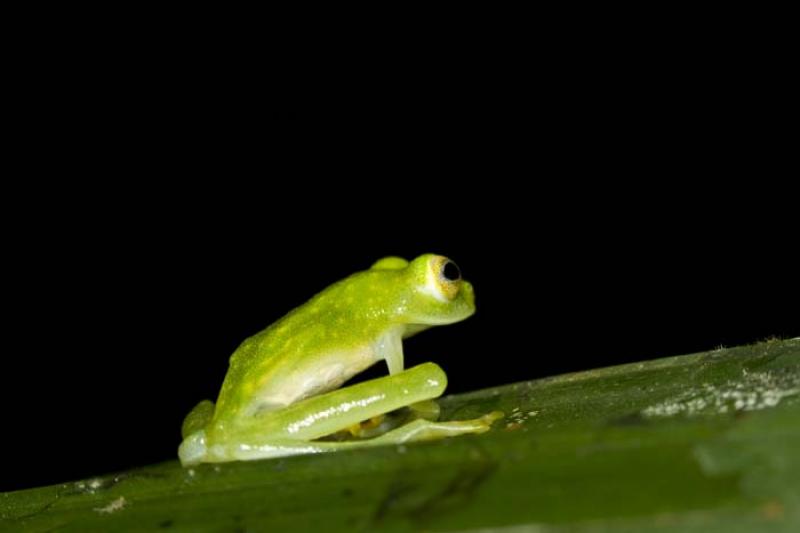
[(417, 430), (422, 429)]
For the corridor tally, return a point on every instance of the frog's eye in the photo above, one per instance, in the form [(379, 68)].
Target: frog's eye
[(450, 271), (444, 279)]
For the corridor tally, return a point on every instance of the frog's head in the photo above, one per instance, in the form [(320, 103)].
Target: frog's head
[(436, 293)]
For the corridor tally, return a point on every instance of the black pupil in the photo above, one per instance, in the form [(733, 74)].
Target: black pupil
[(451, 272)]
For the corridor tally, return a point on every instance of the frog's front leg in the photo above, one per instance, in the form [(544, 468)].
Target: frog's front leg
[(292, 430), (389, 347)]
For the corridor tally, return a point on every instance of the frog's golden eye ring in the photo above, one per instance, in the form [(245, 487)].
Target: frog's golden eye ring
[(444, 279)]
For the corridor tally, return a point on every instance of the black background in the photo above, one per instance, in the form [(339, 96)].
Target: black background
[(608, 208)]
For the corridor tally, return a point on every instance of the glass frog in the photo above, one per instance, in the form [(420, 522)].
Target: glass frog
[(281, 393)]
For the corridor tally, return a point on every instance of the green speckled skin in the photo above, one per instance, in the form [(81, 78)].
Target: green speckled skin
[(276, 397)]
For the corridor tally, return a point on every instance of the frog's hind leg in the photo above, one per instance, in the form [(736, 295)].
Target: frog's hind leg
[(293, 430)]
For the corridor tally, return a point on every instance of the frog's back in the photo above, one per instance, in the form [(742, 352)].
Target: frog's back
[(313, 348), (302, 326)]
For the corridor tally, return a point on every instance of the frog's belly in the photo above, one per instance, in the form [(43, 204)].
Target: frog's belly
[(322, 373)]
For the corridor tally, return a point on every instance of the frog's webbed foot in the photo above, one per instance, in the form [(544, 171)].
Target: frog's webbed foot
[(422, 429)]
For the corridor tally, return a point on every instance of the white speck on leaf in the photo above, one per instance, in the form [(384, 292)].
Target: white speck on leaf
[(90, 486), (755, 391), (113, 506)]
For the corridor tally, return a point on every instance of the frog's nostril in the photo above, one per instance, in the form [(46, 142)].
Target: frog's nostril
[(451, 272)]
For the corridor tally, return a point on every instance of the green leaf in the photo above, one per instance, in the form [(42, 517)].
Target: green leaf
[(705, 442)]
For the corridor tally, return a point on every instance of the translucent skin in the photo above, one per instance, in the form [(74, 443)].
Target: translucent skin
[(276, 397)]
